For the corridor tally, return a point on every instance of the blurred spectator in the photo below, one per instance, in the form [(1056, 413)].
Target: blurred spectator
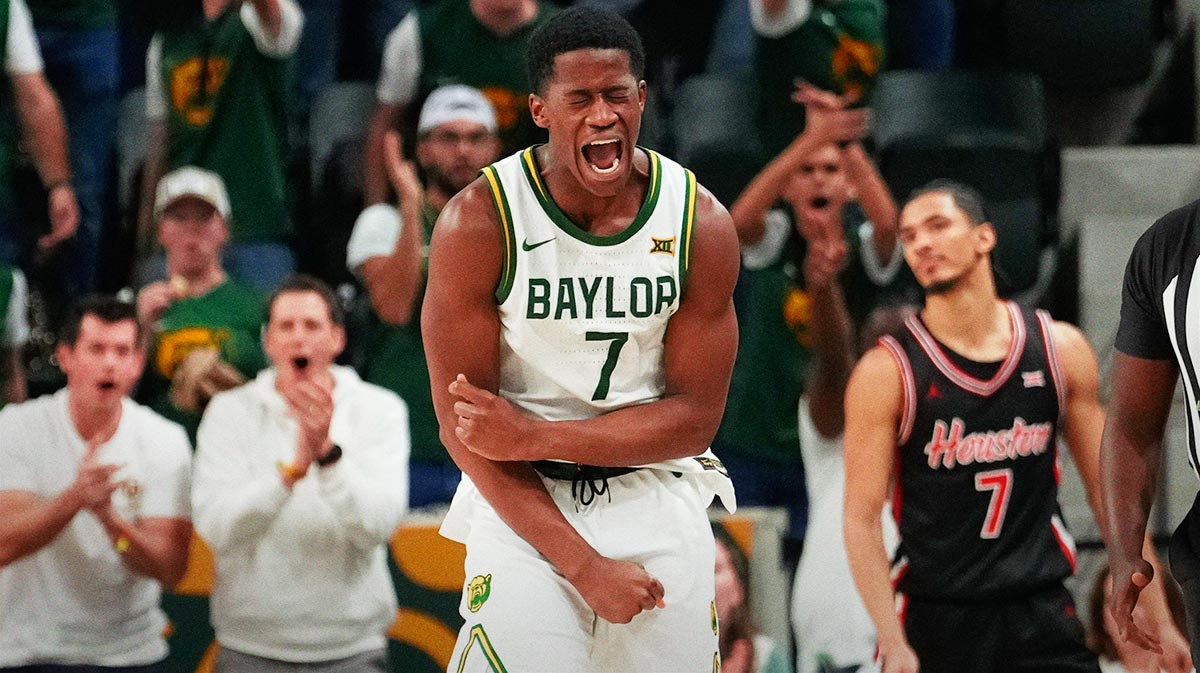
[(300, 482), (456, 138), (79, 45), (920, 34), (1116, 654), (318, 55), (94, 500), (835, 45), (800, 199), (480, 43), (14, 335), (215, 92), (677, 43), (44, 136), (743, 649), (832, 629), (203, 325)]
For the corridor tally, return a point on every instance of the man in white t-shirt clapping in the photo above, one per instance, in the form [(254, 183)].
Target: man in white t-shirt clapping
[(94, 516)]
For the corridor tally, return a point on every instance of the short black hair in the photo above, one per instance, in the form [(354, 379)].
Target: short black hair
[(581, 27), (106, 308), (966, 198), (302, 282)]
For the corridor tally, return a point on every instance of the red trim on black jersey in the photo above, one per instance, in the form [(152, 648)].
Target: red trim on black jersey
[(899, 570), (897, 491), (908, 413), (1056, 373), (1065, 542), (959, 377)]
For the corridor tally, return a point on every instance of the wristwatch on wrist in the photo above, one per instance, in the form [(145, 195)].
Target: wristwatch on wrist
[(333, 456)]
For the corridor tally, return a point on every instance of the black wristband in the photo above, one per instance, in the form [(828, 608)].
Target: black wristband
[(334, 455)]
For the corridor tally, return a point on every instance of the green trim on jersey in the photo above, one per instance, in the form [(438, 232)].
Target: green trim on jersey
[(685, 231), (556, 215), (489, 652), (509, 271)]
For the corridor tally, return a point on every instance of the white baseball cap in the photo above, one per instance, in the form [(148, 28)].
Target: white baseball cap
[(456, 102), (191, 181)]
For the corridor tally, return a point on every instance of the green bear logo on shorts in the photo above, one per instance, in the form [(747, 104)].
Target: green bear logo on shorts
[(478, 590)]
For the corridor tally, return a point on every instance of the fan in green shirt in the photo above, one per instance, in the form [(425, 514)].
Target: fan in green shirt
[(478, 43), (837, 46), (204, 326), (215, 93), (456, 138)]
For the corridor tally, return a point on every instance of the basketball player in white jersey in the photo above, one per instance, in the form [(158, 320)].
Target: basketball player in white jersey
[(580, 336)]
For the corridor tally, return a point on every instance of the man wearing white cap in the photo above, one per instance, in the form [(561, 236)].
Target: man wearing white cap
[(479, 43), (204, 326), (457, 137)]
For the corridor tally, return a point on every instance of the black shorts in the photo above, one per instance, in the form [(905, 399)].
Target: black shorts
[(1185, 566), (1037, 633)]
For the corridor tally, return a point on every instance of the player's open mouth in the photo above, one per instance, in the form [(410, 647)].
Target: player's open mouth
[(603, 156), (301, 363)]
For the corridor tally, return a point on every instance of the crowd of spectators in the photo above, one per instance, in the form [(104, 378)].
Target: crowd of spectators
[(208, 250)]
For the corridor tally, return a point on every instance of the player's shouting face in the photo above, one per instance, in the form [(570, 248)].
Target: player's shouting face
[(592, 108)]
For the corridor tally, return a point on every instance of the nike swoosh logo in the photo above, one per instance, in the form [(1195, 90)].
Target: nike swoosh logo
[(527, 246)]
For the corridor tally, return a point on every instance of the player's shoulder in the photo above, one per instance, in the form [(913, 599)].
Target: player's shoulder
[(1072, 347), (877, 383), (1173, 232), (474, 209), (482, 203), (880, 362)]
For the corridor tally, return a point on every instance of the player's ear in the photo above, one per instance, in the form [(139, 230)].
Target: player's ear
[(986, 236), (537, 108), (642, 94)]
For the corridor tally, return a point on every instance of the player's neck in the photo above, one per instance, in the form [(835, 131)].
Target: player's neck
[(970, 319), (597, 215)]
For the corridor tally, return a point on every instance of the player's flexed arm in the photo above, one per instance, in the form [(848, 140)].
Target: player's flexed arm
[(874, 399), (460, 324), (701, 344)]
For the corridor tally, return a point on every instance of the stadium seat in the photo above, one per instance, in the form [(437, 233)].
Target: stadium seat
[(713, 128), (1080, 45), (132, 131), (340, 112), (987, 130)]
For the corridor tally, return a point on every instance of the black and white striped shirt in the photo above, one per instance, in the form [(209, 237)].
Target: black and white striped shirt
[(1160, 305)]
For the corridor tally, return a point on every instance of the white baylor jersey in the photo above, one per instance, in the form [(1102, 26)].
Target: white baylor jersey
[(584, 317)]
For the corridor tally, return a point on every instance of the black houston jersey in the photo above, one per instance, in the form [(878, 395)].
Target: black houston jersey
[(976, 489)]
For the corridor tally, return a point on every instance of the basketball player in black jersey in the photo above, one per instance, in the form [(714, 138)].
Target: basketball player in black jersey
[(961, 411)]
